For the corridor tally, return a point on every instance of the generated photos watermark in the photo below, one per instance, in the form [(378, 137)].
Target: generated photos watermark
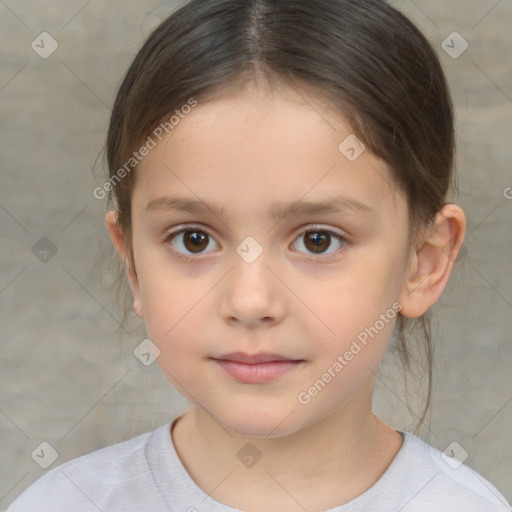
[(358, 344), (137, 156)]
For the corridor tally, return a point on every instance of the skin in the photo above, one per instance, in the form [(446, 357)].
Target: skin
[(247, 151)]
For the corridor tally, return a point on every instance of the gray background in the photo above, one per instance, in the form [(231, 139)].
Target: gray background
[(68, 373)]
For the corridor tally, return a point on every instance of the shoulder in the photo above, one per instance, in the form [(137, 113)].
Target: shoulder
[(111, 478), (438, 481)]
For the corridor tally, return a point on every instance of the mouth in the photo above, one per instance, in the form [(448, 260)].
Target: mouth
[(256, 368)]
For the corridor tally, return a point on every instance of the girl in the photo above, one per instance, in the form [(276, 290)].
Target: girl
[(279, 173)]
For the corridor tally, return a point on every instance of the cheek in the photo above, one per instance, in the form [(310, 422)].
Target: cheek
[(358, 310), (174, 322), (347, 362), (172, 309), (355, 297), (167, 295), (175, 308)]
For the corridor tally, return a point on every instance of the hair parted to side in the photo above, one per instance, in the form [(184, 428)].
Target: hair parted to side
[(364, 57)]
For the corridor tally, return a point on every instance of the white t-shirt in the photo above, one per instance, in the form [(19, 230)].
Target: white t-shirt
[(145, 474)]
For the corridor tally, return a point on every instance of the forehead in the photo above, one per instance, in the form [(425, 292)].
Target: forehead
[(257, 147)]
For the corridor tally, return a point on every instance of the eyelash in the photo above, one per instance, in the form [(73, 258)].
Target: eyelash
[(310, 229)]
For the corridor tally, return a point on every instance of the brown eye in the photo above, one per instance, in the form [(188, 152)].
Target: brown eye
[(190, 241), (320, 241), (195, 241), (317, 241)]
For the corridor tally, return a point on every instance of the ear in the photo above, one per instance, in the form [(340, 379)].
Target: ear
[(431, 263), (119, 243)]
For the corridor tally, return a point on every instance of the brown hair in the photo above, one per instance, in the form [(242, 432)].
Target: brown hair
[(363, 56)]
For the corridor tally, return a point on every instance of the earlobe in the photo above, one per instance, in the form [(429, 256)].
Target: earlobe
[(431, 263), (117, 238)]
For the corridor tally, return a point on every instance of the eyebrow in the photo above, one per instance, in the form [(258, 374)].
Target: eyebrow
[(338, 204)]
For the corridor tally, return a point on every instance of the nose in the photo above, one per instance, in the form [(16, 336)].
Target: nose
[(252, 295)]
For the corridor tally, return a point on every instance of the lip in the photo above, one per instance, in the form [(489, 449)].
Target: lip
[(256, 368), (262, 357)]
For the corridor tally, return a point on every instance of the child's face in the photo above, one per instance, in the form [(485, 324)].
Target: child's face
[(304, 297)]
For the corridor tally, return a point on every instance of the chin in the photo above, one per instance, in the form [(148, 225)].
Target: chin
[(257, 424), (259, 430)]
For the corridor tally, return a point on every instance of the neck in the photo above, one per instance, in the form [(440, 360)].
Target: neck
[(320, 466)]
